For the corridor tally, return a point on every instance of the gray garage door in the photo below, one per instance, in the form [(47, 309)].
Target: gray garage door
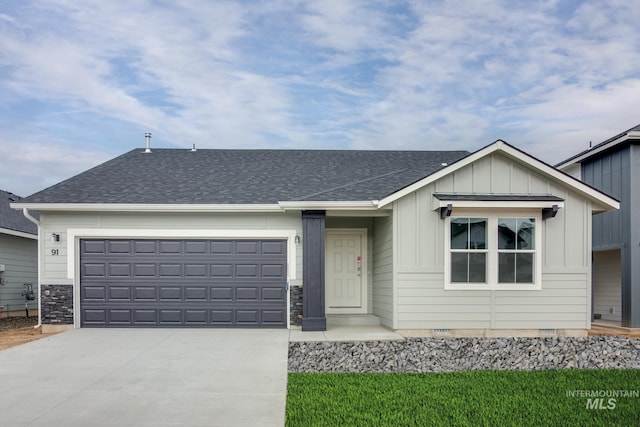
[(183, 283)]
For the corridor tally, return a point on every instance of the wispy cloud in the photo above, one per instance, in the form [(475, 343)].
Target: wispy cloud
[(90, 77)]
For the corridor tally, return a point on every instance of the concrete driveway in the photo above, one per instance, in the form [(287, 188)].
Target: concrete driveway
[(146, 377)]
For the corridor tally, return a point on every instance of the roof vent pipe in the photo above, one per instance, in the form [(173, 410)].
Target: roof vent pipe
[(194, 147), (147, 135)]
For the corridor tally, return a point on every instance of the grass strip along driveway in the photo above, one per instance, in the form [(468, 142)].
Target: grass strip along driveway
[(504, 398)]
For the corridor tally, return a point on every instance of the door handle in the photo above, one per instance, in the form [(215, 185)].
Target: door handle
[(359, 265)]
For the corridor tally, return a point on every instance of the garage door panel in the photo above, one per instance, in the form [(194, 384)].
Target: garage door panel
[(196, 317), (170, 247), (93, 246), (246, 270), (170, 316), (192, 283), (247, 317), (170, 270), (222, 247), (274, 294), (195, 270), (94, 293), (144, 293), (144, 247), (119, 293), (120, 316), (222, 293), (94, 316), (246, 248), (169, 293), (94, 270), (247, 293), (196, 247), (274, 317), (119, 270), (119, 247), (222, 317), (221, 270), (274, 248), (195, 293), (144, 317), (273, 270), (144, 270)]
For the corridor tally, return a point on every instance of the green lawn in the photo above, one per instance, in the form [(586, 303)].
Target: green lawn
[(491, 398)]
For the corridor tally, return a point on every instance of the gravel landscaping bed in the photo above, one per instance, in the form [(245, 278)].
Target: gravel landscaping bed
[(465, 354)]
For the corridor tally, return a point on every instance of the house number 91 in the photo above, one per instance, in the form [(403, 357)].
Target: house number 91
[(55, 252)]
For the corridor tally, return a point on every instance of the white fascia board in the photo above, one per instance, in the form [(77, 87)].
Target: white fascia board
[(606, 202), (586, 155), (603, 202), (440, 174), (362, 205), (504, 204), (122, 207), (18, 233), (279, 207)]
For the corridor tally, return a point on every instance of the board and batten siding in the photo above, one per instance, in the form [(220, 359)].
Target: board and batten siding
[(611, 174), (20, 258), (383, 270), (564, 301), (55, 266)]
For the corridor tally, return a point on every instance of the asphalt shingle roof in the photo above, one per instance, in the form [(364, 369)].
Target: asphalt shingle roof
[(605, 142), (13, 219), (209, 176)]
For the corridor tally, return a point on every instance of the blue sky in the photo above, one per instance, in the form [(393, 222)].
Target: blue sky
[(81, 81)]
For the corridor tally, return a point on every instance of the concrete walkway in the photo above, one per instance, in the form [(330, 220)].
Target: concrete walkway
[(346, 333), (147, 377)]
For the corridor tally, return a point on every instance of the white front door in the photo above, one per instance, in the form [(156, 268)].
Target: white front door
[(345, 271)]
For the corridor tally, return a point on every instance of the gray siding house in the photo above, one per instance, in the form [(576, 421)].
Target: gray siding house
[(613, 167), (18, 257), (493, 242)]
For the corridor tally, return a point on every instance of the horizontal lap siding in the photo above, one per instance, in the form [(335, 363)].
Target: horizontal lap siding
[(20, 257), (607, 285), (563, 302), (383, 270), (425, 304)]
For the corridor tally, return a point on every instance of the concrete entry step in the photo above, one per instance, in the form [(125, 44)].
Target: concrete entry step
[(352, 320)]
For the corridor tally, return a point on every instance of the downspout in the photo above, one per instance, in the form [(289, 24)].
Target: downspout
[(27, 215)]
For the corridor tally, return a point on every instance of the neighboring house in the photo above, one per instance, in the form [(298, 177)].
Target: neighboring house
[(613, 166), (18, 258), (493, 242)]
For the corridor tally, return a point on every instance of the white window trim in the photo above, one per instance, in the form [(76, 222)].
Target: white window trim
[(492, 216)]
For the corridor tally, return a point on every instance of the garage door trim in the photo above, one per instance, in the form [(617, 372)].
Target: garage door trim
[(74, 235)]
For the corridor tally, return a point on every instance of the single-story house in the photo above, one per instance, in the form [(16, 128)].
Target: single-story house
[(493, 241), (18, 259), (613, 166)]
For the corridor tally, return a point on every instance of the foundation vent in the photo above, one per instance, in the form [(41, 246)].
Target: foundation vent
[(442, 332)]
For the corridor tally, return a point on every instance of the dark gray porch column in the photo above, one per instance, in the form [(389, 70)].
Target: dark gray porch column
[(313, 317)]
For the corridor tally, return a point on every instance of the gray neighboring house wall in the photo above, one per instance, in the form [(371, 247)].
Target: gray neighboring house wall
[(253, 238), (18, 257), (613, 166)]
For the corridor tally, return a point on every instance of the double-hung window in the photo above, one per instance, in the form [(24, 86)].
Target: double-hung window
[(493, 251)]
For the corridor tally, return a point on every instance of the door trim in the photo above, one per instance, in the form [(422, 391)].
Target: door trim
[(362, 232)]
